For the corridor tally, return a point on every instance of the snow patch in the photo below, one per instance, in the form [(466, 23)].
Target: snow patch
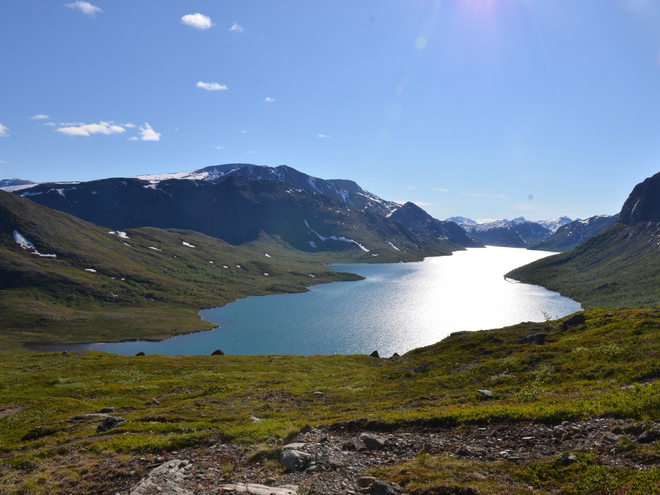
[(27, 245), (267, 255), (90, 270), (155, 248), (393, 246), (266, 274), (336, 238), (187, 244), (313, 244)]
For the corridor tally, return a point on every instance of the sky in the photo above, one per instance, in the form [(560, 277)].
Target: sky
[(478, 108)]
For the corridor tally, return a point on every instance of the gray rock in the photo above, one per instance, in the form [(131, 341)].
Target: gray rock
[(166, 479), (306, 429), (109, 423), (218, 352), (294, 446), (107, 410), (649, 436), (574, 321), (535, 338), (294, 460), (255, 489), (567, 459), (374, 354), (365, 481), (372, 441), (379, 487), (484, 394)]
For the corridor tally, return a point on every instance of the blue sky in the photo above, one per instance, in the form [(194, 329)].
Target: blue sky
[(480, 108)]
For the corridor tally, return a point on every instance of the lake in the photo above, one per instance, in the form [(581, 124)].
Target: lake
[(398, 307)]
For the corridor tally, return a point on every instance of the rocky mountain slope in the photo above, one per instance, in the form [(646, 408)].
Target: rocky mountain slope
[(238, 209), (573, 234), (506, 233), (618, 267)]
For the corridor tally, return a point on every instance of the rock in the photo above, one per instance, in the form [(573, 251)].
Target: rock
[(294, 446), (484, 394), (574, 321), (254, 419), (373, 442), (374, 354), (306, 429), (107, 410), (365, 481), (535, 338), (140, 354), (109, 423), (255, 489), (395, 355), (294, 460), (567, 459), (166, 479), (385, 488), (218, 352), (649, 436), (335, 463)]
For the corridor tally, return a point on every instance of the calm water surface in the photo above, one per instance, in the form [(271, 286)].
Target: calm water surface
[(397, 308)]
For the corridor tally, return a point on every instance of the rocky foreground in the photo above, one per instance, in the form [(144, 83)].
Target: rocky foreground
[(335, 460)]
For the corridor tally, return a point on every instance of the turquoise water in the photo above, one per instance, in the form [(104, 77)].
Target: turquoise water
[(397, 308)]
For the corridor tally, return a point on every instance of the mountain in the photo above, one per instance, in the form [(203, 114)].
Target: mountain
[(238, 209), (554, 224), (11, 183), (65, 279), (342, 190), (620, 266), (507, 233), (573, 234)]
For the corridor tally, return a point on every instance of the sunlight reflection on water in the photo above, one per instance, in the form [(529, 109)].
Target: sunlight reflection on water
[(397, 308)]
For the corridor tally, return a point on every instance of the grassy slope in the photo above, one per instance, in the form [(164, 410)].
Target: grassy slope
[(618, 268), (577, 374)]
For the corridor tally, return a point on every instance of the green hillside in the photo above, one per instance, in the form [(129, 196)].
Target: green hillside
[(144, 283)]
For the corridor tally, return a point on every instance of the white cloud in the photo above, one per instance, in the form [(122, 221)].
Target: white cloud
[(235, 27), (84, 7), (133, 138), (251, 152), (89, 129), (481, 195), (211, 86), (41, 116), (2, 161), (322, 136), (3, 131), (243, 131), (441, 189), (129, 126), (148, 134), (197, 20), (410, 188), (422, 203), (49, 124), (268, 99), (219, 147)]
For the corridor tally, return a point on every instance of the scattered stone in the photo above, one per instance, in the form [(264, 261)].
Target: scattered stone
[(294, 446), (649, 436), (107, 410), (255, 489), (535, 338), (109, 423), (335, 463), (574, 321), (306, 429), (395, 355), (484, 394), (254, 419), (567, 459), (374, 354), (294, 460), (379, 487), (218, 352), (373, 442), (153, 402), (140, 354), (365, 481), (166, 479)]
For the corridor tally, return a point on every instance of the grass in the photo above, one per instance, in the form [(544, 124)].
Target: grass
[(578, 373)]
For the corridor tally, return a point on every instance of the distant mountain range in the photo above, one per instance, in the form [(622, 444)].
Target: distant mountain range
[(239, 202), (620, 266), (511, 233)]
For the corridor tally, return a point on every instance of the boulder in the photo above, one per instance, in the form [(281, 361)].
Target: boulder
[(166, 479), (379, 487), (109, 423), (574, 321), (374, 354), (567, 459), (218, 352), (372, 441), (255, 489), (484, 394), (535, 338), (294, 460), (140, 354)]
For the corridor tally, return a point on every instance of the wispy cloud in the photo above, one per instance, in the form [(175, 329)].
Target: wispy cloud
[(3, 131), (482, 195), (89, 129), (148, 134), (85, 7), (243, 131), (268, 99), (133, 138), (236, 28), (211, 86), (410, 188), (219, 147), (41, 116), (323, 136), (197, 21), (2, 161), (129, 126), (251, 152), (422, 203), (49, 124), (441, 189)]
